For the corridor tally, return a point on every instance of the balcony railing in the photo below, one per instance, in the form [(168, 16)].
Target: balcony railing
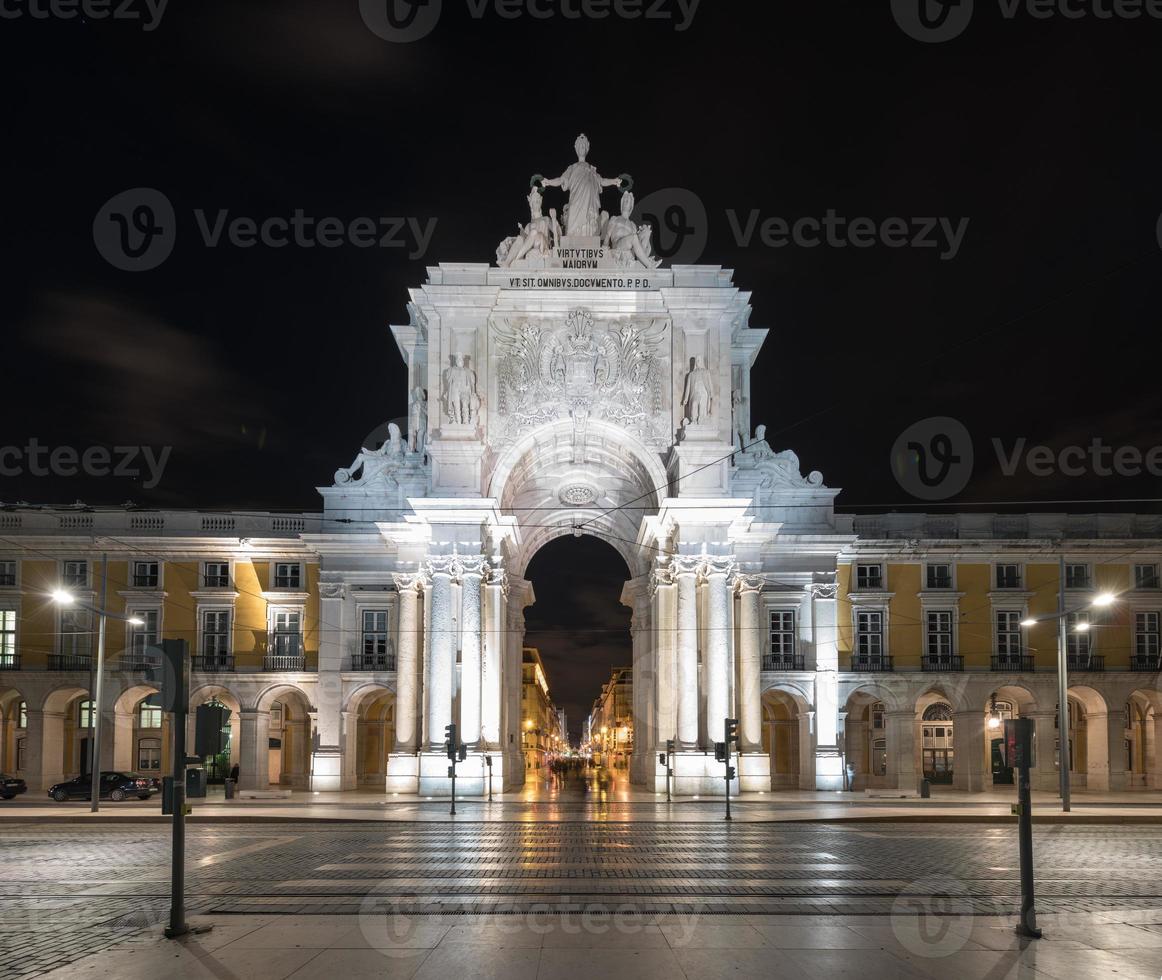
[(373, 661), (68, 661), (137, 663), (1086, 663), (10, 661), (1018, 664), (1144, 664), (214, 664), (783, 662), (871, 665), (949, 663), (284, 662)]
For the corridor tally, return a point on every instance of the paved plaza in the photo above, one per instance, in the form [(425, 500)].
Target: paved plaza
[(571, 898)]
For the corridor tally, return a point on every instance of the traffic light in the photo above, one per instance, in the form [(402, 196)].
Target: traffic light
[(731, 729), (729, 773), (661, 758), (450, 742), (462, 754), (669, 746), (719, 751)]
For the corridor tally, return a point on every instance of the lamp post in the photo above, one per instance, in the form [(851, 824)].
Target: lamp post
[(1100, 601), (62, 597)]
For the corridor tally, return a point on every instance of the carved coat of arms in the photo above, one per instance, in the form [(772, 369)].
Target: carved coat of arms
[(581, 368)]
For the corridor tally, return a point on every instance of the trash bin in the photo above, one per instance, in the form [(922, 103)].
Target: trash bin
[(195, 784), (925, 789), (167, 795), (229, 789)]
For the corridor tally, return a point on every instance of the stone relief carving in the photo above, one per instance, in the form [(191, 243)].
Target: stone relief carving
[(375, 467), (615, 371), (461, 402), (418, 421), (628, 242), (698, 393), (541, 234), (739, 418), (776, 469)]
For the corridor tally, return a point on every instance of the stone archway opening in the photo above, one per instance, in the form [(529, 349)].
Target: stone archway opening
[(786, 739)]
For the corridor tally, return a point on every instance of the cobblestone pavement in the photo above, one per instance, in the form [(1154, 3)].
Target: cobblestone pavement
[(72, 890)]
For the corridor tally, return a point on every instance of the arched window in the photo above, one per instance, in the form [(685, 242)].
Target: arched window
[(938, 712), (149, 755), (85, 714)]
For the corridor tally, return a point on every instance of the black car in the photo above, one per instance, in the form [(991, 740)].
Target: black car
[(115, 786), (11, 786)]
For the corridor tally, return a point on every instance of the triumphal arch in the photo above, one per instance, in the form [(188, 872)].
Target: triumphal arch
[(575, 386)]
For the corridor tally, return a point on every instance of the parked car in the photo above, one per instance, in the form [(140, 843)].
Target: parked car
[(115, 786), (11, 786)]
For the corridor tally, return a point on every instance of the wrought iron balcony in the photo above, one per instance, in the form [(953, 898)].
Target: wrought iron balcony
[(1086, 663), (137, 663), (1145, 664), (68, 661), (782, 662), (1016, 663), (373, 661), (213, 664), (871, 665), (10, 661), (952, 662), (284, 662)]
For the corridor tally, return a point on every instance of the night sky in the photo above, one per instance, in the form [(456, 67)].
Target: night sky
[(263, 368)]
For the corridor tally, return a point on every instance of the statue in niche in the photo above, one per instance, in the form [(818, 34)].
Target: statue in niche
[(698, 394), (540, 235), (418, 421), (583, 184), (461, 403), (740, 418), (628, 242)]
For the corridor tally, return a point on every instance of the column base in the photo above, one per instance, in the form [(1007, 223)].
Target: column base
[(326, 774), (698, 774), (426, 774), (828, 770)]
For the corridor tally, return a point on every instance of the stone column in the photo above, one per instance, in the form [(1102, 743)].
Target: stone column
[(1154, 751), (718, 644), (407, 664), (825, 640), (472, 571), (685, 573), (350, 745), (254, 749), (1105, 752), (1045, 775), (442, 668), (325, 765), (491, 673), (901, 739), (750, 665), (968, 744), (44, 749)]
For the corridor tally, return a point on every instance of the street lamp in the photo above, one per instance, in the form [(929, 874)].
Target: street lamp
[(1101, 601), (62, 597)]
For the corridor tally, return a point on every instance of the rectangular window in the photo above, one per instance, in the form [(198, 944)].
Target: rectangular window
[(375, 638), (85, 714), (783, 635), (146, 638), (7, 638), (149, 714), (1008, 576), (1077, 638), (149, 755), (1077, 577), (7, 574), (1008, 634), (288, 575), (75, 575), (869, 576), (940, 576), (939, 634), (1147, 635), (76, 633), (286, 640), (145, 574), (215, 637), (869, 636), (1146, 577), (216, 575)]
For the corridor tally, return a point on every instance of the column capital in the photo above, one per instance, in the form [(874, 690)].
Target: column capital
[(824, 590), (745, 584), (408, 582), (332, 590), (713, 567), (685, 564), (475, 566), (661, 576)]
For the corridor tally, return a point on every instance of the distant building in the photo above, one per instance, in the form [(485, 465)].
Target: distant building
[(611, 722), (539, 720)]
